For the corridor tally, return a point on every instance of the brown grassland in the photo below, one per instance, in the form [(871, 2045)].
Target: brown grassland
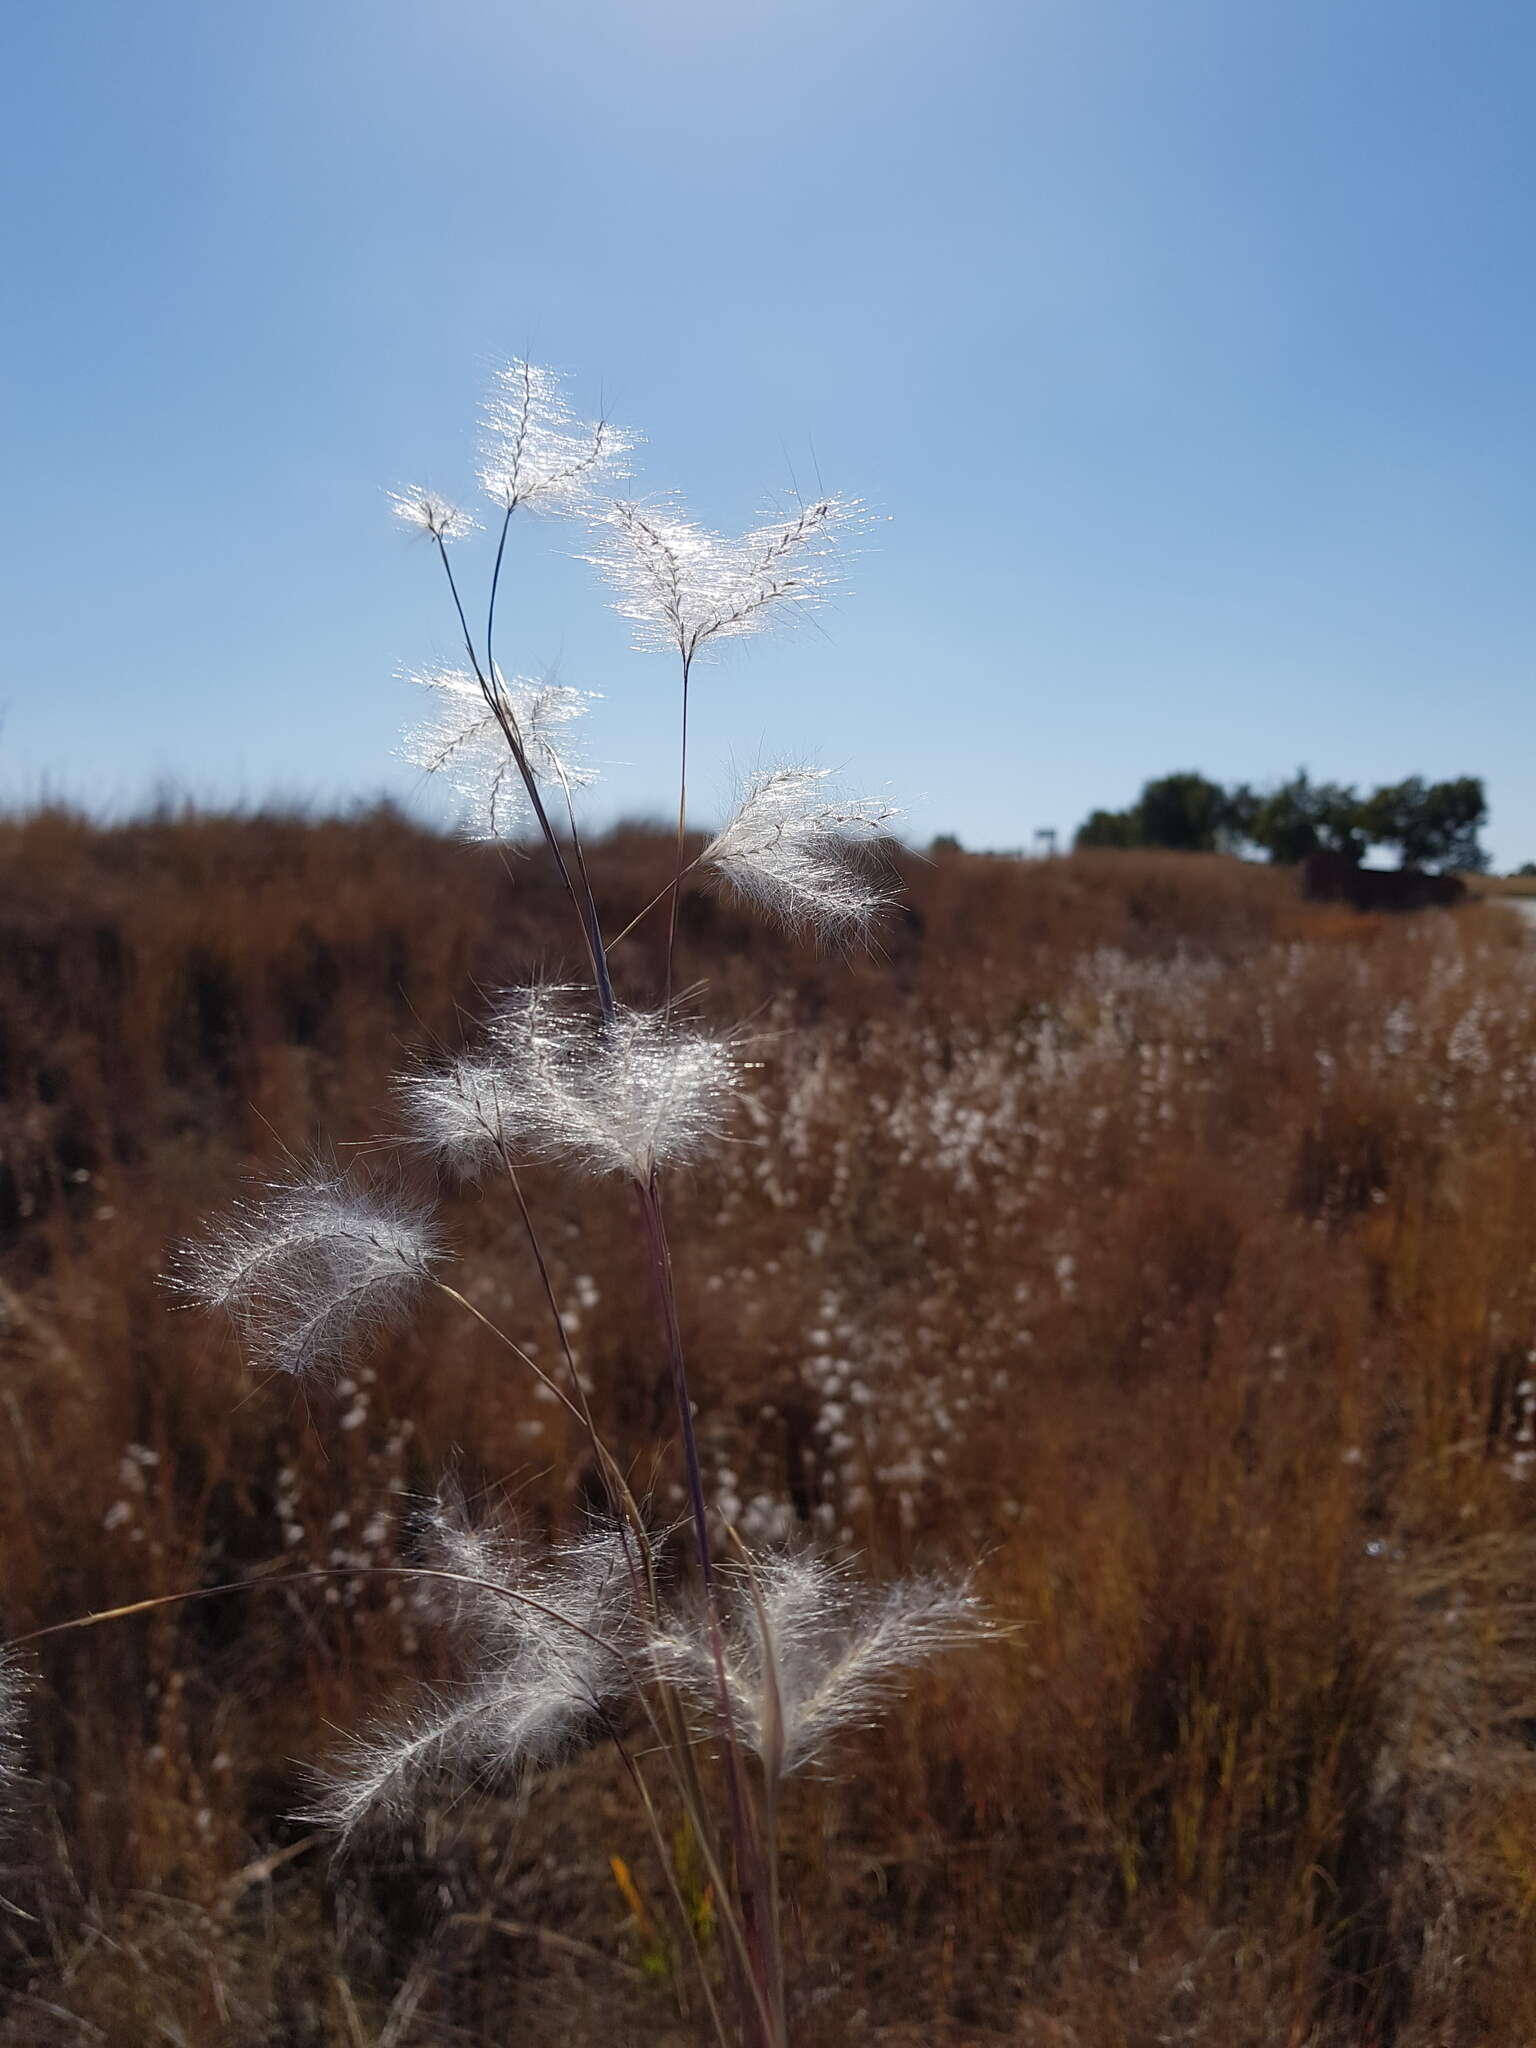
[(1152, 1241)]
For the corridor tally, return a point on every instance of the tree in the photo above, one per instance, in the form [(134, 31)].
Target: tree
[(1433, 823), (1184, 812), (1120, 829), (1430, 823), (1300, 816)]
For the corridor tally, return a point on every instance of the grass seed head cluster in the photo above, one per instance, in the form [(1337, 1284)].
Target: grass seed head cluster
[(591, 1638)]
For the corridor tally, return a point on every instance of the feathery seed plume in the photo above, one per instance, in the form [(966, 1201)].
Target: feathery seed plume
[(684, 586), (463, 741), (812, 1654), (13, 1700), (639, 1092), (310, 1269), (536, 453), (793, 848), (545, 1639), (465, 1114), (431, 514)]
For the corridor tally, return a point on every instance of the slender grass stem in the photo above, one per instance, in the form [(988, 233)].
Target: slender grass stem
[(495, 697), (464, 1302), (744, 1833), (350, 1571), (682, 826), (625, 1507), (490, 609), (669, 1872), (756, 1947), (660, 897)]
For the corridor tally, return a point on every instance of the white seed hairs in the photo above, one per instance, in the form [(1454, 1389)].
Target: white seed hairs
[(535, 454), (464, 742), (13, 1704), (432, 515), (795, 848), (546, 1639), (626, 1095), (683, 586), (311, 1269), (808, 1652)]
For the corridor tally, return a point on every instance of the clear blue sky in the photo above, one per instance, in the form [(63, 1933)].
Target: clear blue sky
[(1188, 345)]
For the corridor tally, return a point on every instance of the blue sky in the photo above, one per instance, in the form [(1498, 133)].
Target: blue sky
[(1183, 346)]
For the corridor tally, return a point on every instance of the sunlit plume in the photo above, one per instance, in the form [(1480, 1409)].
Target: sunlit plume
[(434, 516), (13, 1701), (800, 851), (311, 1269), (543, 1637), (535, 452), (554, 1082), (809, 1652), (466, 742), (683, 586)]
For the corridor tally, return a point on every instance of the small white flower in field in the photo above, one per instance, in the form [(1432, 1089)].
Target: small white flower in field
[(684, 586), (535, 453), (431, 514), (808, 1654), (465, 742), (545, 1640), (311, 1268), (794, 848), (13, 1702)]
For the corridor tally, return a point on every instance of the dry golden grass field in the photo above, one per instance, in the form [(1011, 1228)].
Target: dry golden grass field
[(1502, 885), (1155, 1243)]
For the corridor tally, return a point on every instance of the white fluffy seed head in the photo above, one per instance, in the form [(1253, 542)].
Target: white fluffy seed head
[(683, 586), (464, 1114), (645, 1092), (427, 513), (799, 850), (554, 1083), (310, 1269), (535, 452), (464, 743), (809, 1653), (13, 1703), (545, 1641)]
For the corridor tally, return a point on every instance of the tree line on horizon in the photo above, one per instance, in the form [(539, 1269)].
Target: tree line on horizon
[(1429, 824)]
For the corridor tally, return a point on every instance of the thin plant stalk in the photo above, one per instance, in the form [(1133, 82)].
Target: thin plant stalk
[(747, 1848), (669, 1873), (586, 913), (311, 1572), (772, 1753), (682, 827), (660, 897)]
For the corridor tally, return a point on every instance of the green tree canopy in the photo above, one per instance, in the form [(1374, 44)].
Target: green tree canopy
[(1430, 823), (1300, 816), (1435, 823), (1121, 829), (1184, 812)]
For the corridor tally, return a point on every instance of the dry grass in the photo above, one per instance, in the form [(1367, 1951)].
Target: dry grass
[(1128, 1227), (1501, 885)]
